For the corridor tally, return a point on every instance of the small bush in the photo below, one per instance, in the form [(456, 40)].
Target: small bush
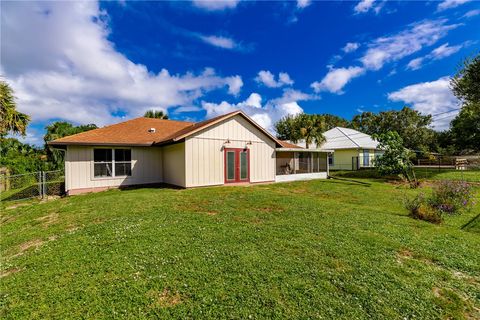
[(419, 209), (452, 196), (448, 197)]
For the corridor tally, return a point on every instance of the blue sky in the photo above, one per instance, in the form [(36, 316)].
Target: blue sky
[(90, 62)]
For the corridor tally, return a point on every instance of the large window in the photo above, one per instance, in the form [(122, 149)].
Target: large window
[(366, 158), (112, 162), (102, 163), (123, 162)]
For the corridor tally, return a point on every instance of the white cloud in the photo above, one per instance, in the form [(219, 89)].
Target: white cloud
[(471, 13), (445, 50), (395, 47), (430, 98), (415, 64), (365, 6), (284, 79), (235, 84), (447, 4), (221, 42), (336, 79), (76, 74), (267, 78), (265, 115), (215, 5), (438, 53), (301, 4), (387, 49), (350, 47)]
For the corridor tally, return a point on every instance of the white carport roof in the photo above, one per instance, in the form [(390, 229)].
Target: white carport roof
[(344, 138)]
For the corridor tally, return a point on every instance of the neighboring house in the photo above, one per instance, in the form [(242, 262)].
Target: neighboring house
[(229, 149), (353, 149)]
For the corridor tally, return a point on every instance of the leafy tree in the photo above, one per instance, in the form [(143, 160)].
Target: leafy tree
[(19, 157), (307, 127), (411, 125), (158, 114), (466, 83), (332, 121), (287, 129), (59, 130), (10, 119), (396, 158), (465, 128)]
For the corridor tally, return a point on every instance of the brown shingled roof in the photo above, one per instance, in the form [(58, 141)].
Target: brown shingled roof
[(286, 144), (135, 132)]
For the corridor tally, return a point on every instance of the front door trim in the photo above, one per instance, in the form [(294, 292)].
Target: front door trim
[(237, 165)]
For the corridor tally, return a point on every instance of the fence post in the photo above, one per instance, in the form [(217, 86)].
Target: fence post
[(40, 185), (44, 174)]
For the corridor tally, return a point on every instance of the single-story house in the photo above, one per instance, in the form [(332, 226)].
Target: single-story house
[(353, 149), (229, 149)]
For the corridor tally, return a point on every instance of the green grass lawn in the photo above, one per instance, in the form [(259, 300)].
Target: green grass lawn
[(432, 174), (318, 249)]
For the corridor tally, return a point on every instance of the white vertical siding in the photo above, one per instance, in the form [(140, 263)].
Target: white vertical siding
[(205, 152), (174, 164), (146, 168)]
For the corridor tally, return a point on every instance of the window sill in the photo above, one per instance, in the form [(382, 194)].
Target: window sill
[(110, 178)]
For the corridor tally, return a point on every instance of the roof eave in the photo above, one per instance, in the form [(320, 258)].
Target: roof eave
[(112, 144)]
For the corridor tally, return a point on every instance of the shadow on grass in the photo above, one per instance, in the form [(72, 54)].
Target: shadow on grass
[(349, 181), (473, 225), (150, 186)]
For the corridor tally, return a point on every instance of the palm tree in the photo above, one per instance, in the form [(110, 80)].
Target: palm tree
[(311, 128), (10, 119), (57, 130), (158, 114)]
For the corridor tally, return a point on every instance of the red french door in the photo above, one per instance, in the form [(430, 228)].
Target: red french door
[(237, 165)]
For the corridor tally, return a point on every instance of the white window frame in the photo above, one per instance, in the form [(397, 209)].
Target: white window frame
[(113, 176)]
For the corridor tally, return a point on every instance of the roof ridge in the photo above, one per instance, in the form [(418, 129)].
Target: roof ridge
[(346, 135)]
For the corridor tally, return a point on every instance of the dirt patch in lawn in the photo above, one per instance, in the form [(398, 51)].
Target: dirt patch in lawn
[(35, 243), (403, 255), (164, 299), (269, 209), (17, 205), (49, 219), (6, 273)]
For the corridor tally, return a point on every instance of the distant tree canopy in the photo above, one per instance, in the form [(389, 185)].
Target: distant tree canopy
[(59, 130), (158, 114), (411, 125), (19, 157), (11, 121), (465, 128), (307, 127)]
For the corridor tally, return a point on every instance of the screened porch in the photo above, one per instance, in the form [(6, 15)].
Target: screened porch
[(301, 164)]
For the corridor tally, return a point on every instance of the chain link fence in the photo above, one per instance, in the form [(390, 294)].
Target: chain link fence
[(39, 184)]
